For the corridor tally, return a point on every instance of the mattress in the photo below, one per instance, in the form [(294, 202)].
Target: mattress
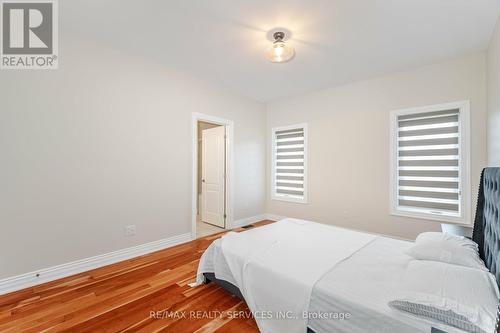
[(272, 253), (362, 286), (358, 287)]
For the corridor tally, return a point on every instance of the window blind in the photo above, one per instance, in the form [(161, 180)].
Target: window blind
[(289, 165), (428, 165)]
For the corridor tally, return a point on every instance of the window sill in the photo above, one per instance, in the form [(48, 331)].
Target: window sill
[(429, 217), (289, 199)]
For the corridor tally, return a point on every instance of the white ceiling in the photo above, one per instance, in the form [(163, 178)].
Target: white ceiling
[(336, 41)]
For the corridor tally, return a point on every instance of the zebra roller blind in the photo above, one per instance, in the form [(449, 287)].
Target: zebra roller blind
[(289, 163), (428, 162)]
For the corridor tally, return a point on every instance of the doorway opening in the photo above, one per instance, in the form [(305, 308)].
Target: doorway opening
[(211, 166)]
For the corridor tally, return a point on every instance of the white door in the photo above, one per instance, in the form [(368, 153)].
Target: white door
[(212, 175)]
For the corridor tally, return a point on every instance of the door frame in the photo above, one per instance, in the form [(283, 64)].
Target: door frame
[(229, 189)]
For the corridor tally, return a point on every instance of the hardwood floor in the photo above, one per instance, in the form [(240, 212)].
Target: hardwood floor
[(145, 294), (204, 229)]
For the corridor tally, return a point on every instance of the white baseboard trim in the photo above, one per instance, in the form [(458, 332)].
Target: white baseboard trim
[(248, 220), (31, 279), (253, 219), (44, 275)]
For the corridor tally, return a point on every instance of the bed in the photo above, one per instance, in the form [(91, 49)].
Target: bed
[(333, 272)]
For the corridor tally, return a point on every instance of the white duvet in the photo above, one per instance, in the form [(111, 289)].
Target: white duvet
[(276, 266)]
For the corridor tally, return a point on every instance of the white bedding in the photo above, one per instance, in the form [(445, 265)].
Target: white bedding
[(290, 256), (362, 286), (295, 265)]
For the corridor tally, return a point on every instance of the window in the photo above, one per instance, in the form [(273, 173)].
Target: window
[(289, 163), (430, 163)]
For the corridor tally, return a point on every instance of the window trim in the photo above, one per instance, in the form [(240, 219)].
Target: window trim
[(284, 197), (465, 217)]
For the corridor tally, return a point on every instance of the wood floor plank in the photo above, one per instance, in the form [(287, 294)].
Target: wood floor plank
[(129, 296)]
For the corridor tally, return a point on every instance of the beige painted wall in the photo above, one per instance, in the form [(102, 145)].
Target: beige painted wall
[(494, 98), (349, 142), (105, 142)]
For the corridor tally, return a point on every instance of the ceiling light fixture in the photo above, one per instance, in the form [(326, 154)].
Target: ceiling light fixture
[(279, 51)]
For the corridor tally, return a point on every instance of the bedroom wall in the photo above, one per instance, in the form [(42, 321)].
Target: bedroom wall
[(104, 142), (494, 98), (349, 142)]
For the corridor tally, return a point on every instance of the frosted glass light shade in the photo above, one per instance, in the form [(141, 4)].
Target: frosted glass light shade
[(279, 51)]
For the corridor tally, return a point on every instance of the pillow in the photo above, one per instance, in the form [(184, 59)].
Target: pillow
[(458, 296), (451, 249)]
